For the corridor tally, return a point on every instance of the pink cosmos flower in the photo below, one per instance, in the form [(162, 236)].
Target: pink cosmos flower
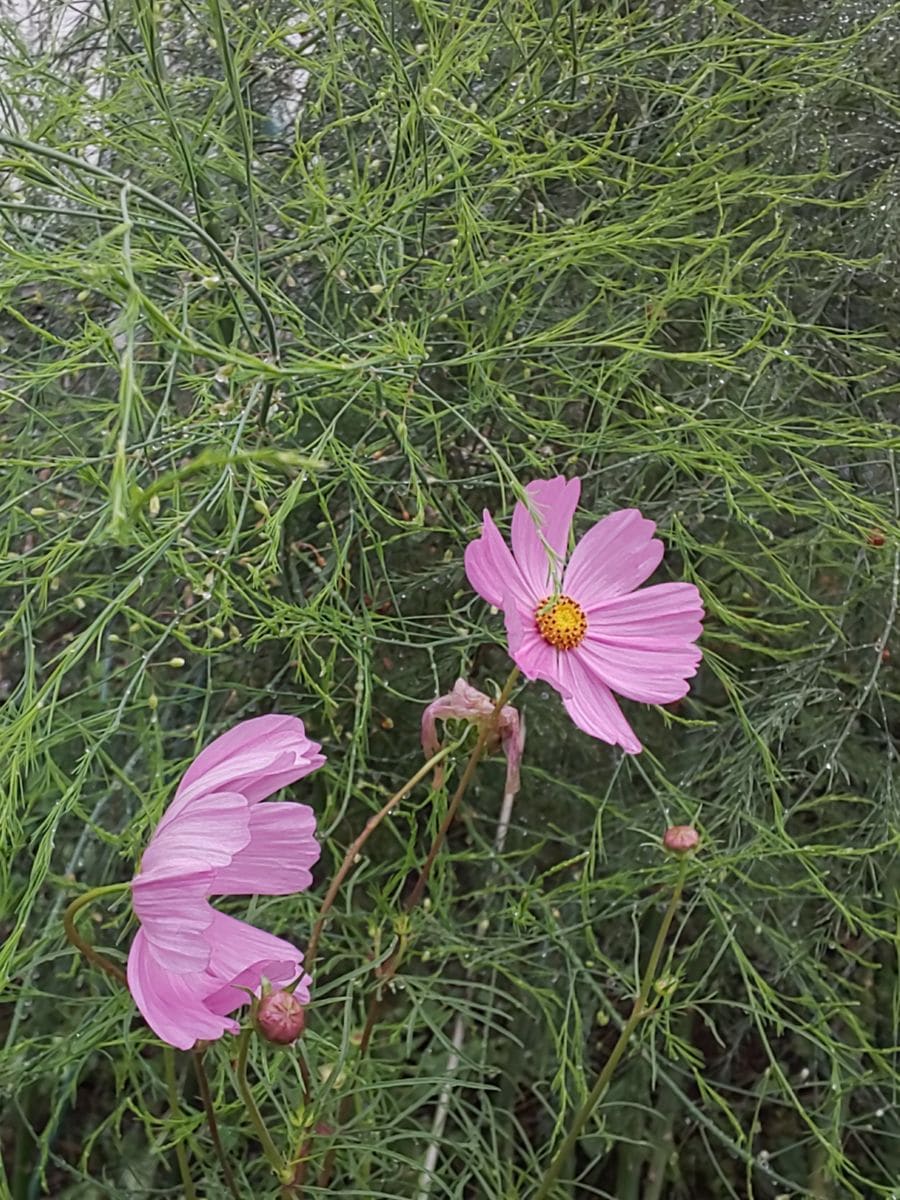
[(189, 965), (576, 621), (466, 703)]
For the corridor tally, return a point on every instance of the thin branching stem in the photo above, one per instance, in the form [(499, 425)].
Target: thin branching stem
[(389, 967), (175, 1112), (485, 734), (355, 848), (638, 1010), (212, 1121)]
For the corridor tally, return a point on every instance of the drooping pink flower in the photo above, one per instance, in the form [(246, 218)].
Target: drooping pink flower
[(190, 966), (466, 703), (576, 620)]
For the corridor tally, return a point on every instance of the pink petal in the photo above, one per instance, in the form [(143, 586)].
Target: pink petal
[(665, 610), (540, 531), (534, 657), (172, 1005), (653, 674), (492, 570), (276, 860), (517, 624), (512, 738), (274, 732), (614, 557), (208, 832), (242, 956), (255, 758), (464, 703), (592, 706), (174, 916), (430, 740), (557, 500), (260, 781), (642, 645)]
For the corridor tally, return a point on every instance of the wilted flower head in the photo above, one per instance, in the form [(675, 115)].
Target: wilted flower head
[(190, 965), (576, 620), (280, 1017), (466, 703)]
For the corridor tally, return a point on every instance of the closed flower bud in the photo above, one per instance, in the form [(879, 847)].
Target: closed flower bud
[(280, 1017), (681, 839)]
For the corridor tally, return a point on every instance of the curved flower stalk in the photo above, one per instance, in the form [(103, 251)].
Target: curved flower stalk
[(576, 619), (191, 966)]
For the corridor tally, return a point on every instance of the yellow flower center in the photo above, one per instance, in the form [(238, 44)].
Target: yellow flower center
[(561, 622)]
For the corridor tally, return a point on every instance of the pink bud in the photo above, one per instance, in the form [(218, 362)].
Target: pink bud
[(681, 839), (280, 1017)]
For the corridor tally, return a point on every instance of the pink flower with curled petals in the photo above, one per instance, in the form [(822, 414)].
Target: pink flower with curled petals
[(190, 966), (466, 703), (576, 620)]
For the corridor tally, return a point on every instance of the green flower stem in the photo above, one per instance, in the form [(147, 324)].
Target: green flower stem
[(265, 1138), (356, 846), (180, 1153), (210, 1109), (69, 923), (487, 730), (299, 1160), (638, 1010), (389, 968)]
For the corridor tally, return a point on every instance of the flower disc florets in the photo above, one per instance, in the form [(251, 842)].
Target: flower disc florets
[(561, 622)]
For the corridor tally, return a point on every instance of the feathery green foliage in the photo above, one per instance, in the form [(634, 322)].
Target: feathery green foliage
[(286, 299)]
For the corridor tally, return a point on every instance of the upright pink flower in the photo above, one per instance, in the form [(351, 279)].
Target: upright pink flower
[(190, 965), (576, 621)]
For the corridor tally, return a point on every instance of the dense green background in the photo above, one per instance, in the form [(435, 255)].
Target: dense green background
[(285, 300)]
